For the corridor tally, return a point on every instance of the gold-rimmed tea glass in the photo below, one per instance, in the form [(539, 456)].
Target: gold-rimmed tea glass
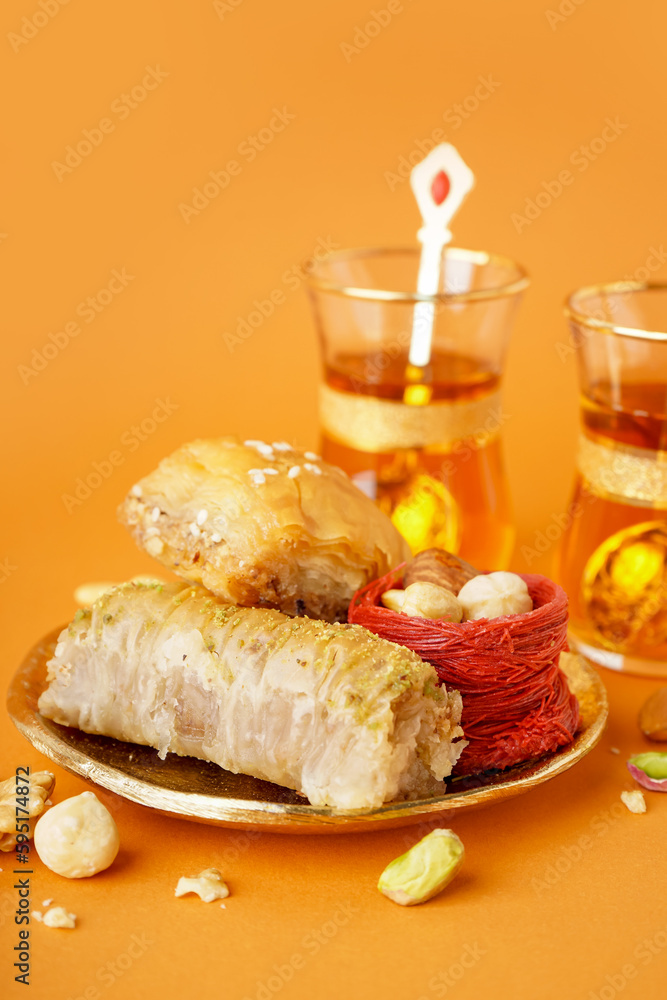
[(424, 442), (613, 556)]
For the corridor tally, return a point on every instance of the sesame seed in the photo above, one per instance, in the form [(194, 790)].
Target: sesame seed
[(253, 444), (258, 479), (312, 468), (215, 538), (294, 472), (270, 472), (254, 472), (201, 516), (281, 446), (265, 450), (194, 530), (154, 546), (155, 513), (136, 490), (311, 456)]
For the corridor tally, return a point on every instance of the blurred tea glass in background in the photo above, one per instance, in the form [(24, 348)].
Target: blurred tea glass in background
[(613, 557), (424, 442)]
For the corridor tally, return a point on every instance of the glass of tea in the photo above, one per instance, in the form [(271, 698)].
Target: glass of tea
[(613, 557), (422, 441)]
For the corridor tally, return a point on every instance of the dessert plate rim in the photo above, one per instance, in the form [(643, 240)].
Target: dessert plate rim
[(200, 791)]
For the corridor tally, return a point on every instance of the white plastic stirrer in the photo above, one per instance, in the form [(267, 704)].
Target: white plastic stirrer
[(440, 183)]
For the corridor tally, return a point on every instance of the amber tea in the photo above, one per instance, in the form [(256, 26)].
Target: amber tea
[(426, 445), (613, 557), (423, 442)]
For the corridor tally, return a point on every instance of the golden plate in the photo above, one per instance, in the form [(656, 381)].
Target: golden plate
[(203, 792)]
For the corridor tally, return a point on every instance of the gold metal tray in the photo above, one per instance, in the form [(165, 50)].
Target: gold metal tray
[(203, 792)]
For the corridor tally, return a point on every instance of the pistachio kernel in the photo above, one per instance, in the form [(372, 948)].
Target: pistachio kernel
[(424, 870), (650, 770)]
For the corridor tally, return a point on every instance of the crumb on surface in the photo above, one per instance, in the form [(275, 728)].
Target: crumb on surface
[(57, 916), (208, 885), (634, 800)]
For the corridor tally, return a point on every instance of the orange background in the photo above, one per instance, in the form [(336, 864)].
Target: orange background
[(556, 78)]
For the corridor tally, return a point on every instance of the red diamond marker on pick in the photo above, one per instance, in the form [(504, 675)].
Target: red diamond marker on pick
[(440, 187)]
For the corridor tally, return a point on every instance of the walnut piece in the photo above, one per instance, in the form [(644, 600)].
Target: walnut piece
[(635, 801), (440, 567), (208, 886), (57, 916), (40, 785)]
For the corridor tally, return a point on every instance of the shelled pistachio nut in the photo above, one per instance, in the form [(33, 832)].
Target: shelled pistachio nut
[(424, 870)]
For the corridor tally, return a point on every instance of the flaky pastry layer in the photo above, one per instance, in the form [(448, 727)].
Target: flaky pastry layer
[(265, 525), (330, 710)]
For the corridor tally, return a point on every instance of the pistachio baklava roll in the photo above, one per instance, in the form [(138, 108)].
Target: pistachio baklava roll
[(330, 710)]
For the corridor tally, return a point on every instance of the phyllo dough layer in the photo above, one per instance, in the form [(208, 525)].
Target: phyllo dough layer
[(262, 524), (349, 719)]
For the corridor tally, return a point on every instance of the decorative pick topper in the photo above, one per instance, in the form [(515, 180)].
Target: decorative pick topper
[(440, 183), (440, 187)]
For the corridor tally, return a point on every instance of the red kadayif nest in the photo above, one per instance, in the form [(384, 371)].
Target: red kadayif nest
[(516, 702)]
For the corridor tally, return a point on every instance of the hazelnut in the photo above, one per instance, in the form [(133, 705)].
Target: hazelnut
[(77, 837), (494, 594)]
